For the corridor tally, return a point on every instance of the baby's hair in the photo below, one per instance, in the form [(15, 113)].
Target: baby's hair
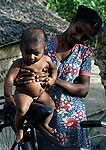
[(89, 15), (35, 36)]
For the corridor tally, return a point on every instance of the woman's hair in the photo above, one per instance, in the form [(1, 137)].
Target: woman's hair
[(89, 15)]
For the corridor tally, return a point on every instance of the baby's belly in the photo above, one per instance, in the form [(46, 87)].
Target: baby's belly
[(33, 89)]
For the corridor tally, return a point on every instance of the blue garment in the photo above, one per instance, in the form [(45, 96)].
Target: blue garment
[(70, 111)]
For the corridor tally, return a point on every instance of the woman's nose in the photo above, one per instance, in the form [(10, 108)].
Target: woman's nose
[(78, 38)]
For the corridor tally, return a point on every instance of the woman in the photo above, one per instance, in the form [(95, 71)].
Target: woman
[(73, 62)]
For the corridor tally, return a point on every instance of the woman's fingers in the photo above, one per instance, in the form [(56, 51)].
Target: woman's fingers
[(41, 77), (25, 74), (27, 78), (24, 70), (23, 80)]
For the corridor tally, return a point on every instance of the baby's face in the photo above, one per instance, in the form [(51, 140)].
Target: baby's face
[(31, 53)]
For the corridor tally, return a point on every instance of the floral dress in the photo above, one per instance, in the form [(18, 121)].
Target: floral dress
[(70, 111)]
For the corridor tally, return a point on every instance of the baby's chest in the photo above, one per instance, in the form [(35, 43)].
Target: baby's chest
[(38, 67)]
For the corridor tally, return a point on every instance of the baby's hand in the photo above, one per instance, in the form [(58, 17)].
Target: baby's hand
[(10, 100), (50, 81)]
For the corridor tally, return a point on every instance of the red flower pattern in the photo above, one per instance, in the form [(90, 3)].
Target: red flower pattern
[(60, 101), (68, 67), (58, 107), (65, 72), (89, 52), (62, 139), (52, 54), (81, 57), (74, 71), (80, 113), (71, 122), (67, 105)]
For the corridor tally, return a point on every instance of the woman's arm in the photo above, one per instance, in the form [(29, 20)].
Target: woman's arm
[(77, 89)]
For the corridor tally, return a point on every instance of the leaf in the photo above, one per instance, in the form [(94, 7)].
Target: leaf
[(48, 6), (53, 7), (93, 4)]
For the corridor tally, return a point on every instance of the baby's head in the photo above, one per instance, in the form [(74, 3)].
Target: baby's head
[(33, 44)]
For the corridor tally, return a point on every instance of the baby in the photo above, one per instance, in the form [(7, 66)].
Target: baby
[(32, 46)]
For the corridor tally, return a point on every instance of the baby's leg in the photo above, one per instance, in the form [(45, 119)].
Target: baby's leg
[(46, 100), (23, 103)]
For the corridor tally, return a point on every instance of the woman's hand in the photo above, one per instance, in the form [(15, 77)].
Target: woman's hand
[(26, 76), (49, 81), (10, 100), (43, 77)]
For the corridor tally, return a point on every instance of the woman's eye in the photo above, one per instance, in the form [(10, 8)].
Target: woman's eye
[(36, 53), (79, 30), (27, 53)]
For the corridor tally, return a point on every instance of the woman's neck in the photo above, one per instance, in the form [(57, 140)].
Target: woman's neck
[(63, 45), (64, 49)]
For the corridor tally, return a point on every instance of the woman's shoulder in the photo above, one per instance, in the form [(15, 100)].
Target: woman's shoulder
[(51, 44), (51, 37), (51, 40), (82, 48), (84, 51)]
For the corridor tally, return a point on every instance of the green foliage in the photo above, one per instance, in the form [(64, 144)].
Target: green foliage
[(67, 8)]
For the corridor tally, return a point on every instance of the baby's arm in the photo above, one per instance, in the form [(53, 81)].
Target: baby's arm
[(52, 72), (9, 80)]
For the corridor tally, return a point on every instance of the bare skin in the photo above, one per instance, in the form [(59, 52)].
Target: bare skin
[(25, 94), (44, 62), (32, 46)]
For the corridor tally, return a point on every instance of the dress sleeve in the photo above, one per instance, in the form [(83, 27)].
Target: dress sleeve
[(86, 62)]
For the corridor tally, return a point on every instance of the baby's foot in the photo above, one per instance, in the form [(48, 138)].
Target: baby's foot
[(50, 130), (19, 137)]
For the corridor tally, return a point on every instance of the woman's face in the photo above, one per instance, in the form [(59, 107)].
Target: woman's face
[(79, 32)]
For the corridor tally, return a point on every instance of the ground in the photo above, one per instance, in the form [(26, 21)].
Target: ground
[(95, 103)]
